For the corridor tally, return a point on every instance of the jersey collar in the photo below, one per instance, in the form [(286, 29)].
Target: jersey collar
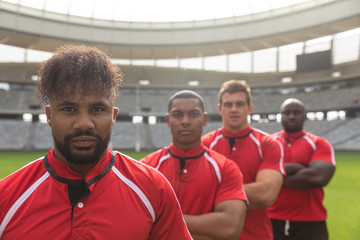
[(293, 135), (241, 134), (189, 154), (62, 171)]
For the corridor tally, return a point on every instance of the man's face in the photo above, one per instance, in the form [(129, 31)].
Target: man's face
[(292, 117), (186, 121), (234, 111), (81, 126)]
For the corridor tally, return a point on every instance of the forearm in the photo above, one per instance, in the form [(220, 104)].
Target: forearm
[(293, 168), (226, 224), (317, 174), (263, 192), (306, 178), (196, 229), (211, 226), (257, 195)]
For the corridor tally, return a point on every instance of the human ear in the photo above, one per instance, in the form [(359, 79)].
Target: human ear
[(251, 107), (205, 116), (48, 114), (116, 111), (167, 119), (218, 106)]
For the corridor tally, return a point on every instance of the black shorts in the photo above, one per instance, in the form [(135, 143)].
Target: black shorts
[(292, 230)]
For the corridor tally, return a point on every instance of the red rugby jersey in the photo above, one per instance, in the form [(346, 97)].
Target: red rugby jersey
[(305, 204), (252, 150), (119, 199), (205, 179)]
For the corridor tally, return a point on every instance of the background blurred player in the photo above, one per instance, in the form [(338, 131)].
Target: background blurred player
[(207, 184), (256, 153), (298, 213)]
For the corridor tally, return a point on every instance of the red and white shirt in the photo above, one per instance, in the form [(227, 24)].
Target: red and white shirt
[(252, 150), (200, 177), (305, 204), (120, 198)]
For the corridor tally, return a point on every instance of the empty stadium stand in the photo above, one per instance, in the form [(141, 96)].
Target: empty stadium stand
[(20, 135), (323, 94)]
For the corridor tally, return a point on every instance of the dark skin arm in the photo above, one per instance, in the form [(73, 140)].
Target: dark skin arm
[(317, 174), (226, 222)]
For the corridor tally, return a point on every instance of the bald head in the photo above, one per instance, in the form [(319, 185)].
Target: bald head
[(293, 115), (293, 101)]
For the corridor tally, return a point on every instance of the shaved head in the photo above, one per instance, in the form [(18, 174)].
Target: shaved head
[(294, 101), (293, 115)]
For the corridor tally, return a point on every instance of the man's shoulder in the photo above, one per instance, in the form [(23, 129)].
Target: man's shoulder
[(263, 136), (218, 157), (221, 160), (29, 171), (127, 163), (275, 135), (259, 132), (153, 158), (312, 136), (135, 170), (210, 136), (317, 139), (14, 185)]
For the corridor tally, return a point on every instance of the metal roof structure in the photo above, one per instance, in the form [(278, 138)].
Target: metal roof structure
[(40, 29)]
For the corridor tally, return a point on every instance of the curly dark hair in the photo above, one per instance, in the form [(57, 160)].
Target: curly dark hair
[(74, 66)]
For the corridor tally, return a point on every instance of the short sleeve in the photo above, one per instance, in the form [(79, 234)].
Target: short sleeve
[(324, 151), (231, 186)]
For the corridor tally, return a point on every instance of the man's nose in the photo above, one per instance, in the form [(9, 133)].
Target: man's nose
[(292, 115), (185, 119), (233, 107), (83, 121)]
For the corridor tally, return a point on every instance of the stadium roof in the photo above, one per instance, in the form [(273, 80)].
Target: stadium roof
[(156, 10), (137, 30)]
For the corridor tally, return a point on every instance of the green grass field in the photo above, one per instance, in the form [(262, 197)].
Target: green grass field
[(341, 195)]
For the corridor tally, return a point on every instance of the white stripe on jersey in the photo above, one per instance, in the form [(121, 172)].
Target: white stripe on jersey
[(215, 166), (256, 141), (20, 201), (282, 158), (137, 190), (165, 157), (311, 142), (215, 141)]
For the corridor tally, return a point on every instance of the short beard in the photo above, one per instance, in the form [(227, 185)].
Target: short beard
[(88, 158), (292, 129)]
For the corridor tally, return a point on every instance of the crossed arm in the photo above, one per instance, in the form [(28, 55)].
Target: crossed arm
[(263, 192), (225, 222), (317, 174)]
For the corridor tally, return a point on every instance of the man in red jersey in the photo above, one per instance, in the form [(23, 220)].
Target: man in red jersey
[(81, 189), (256, 153), (298, 213), (208, 185)]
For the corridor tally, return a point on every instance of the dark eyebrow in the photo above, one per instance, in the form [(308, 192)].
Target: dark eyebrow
[(69, 103), (100, 104), (175, 110), (66, 103)]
